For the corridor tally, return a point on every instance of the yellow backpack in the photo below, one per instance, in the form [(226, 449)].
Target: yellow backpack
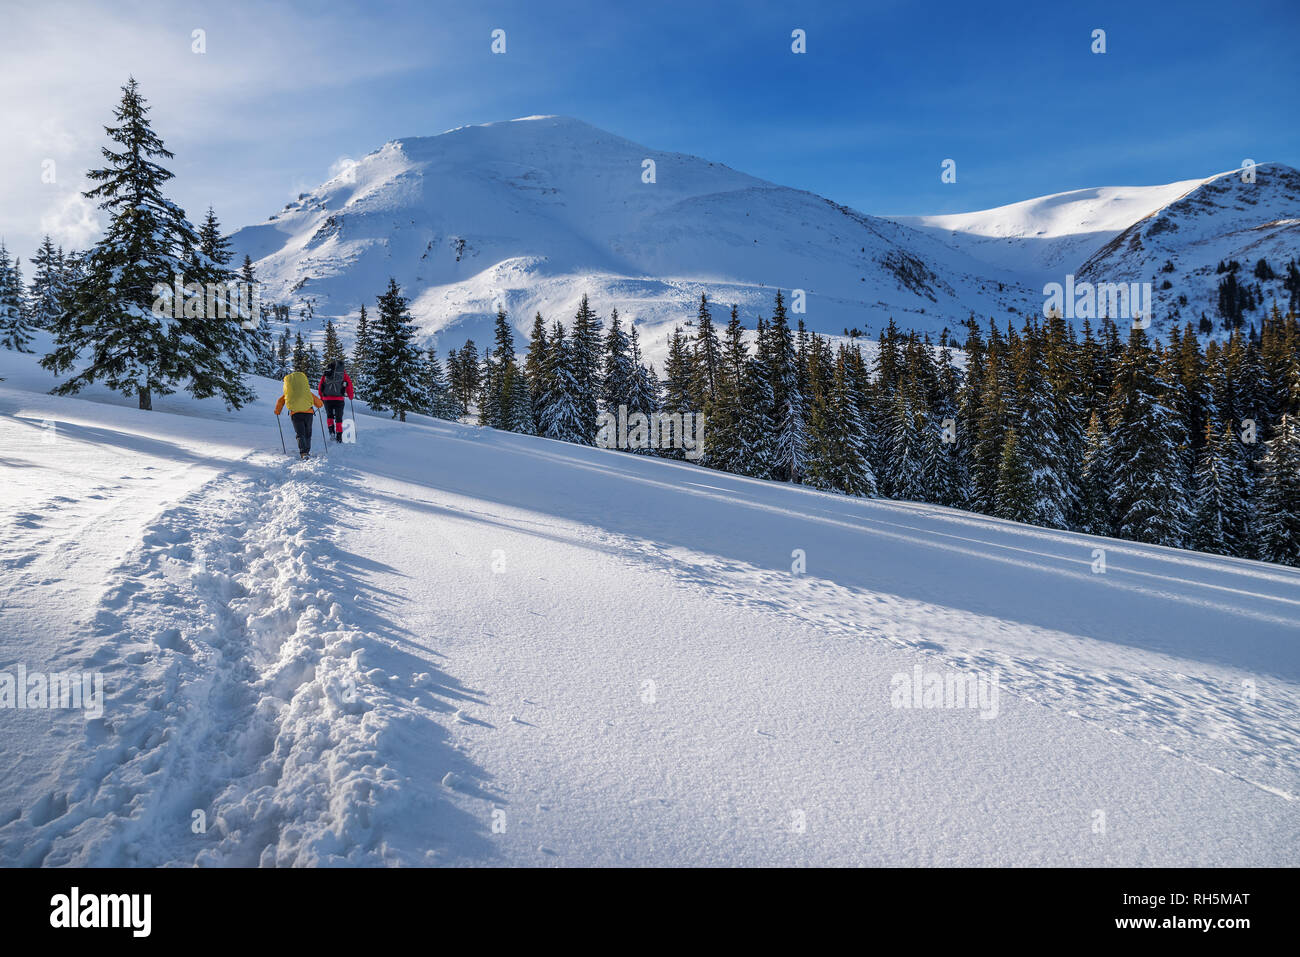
[(297, 393)]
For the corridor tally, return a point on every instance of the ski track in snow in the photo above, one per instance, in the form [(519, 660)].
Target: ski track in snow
[(244, 688)]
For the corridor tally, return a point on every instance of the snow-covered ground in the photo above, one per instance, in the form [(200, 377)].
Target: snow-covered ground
[(447, 645), (1047, 236)]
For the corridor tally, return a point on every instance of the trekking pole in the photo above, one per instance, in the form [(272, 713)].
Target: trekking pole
[(281, 428), (354, 418), (325, 442)]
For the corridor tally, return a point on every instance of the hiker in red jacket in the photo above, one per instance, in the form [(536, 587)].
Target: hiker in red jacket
[(334, 384)]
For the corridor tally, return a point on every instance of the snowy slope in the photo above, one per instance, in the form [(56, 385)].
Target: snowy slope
[(530, 214), (1129, 234), (437, 647), (1222, 219), (1048, 236)]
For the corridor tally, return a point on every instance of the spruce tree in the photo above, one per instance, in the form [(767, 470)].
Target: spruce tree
[(761, 422), (362, 349), (1015, 488), (727, 445), (823, 423), (519, 403), (46, 292), (211, 242), (561, 417), (299, 361), (1221, 515), (333, 348), (259, 333), (1038, 441), (952, 478), (585, 347), (1062, 368), (791, 434), (499, 390), (465, 375), (617, 375), (535, 368), (111, 330), (1145, 457), (704, 357), (840, 461), (1092, 512), (644, 394), (914, 449), (395, 366), (228, 327), (677, 386), (15, 333), (283, 356), (436, 391), (992, 420), (1279, 495)]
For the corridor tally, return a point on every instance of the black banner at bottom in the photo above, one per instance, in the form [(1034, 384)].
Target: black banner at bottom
[(336, 906)]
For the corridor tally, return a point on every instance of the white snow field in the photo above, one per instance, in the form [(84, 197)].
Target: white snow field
[(447, 645)]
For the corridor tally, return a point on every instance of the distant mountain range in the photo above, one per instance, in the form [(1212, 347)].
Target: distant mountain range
[(531, 214)]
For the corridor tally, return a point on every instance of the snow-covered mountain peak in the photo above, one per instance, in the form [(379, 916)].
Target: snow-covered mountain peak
[(532, 213)]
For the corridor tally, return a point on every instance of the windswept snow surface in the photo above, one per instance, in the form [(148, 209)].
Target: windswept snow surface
[(448, 645), (1047, 236)]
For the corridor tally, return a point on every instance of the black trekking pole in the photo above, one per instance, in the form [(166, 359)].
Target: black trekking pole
[(281, 428), (324, 438)]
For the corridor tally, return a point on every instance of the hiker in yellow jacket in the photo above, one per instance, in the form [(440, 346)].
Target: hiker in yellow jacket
[(302, 405)]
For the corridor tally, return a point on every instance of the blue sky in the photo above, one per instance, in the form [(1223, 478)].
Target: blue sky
[(885, 92)]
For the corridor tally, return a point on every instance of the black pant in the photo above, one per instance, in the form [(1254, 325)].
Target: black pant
[(302, 426), (334, 415)]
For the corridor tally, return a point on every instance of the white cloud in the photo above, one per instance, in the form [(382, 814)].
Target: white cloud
[(344, 169), (265, 71), (71, 221)]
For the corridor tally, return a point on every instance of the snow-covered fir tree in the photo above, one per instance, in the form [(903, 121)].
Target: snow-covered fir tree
[(362, 349), (561, 417), (726, 418), (283, 355), (46, 292), (535, 368), (1221, 513), (15, 329), (499, 393), (1279, 495), (762, 420), (111, 331), (705, 357), (436, 390), (1016, 494), (791, 425), (1092, 508), (1039, 442), (395, 362), (617, 373), (585, 347), (1149, 497), (677, 387), (332, 350), (913, 449)]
